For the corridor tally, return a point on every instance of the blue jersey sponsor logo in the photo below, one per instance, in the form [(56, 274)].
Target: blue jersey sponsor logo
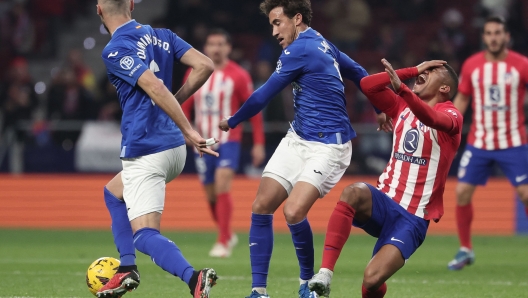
[(409, 158), (495, 94)]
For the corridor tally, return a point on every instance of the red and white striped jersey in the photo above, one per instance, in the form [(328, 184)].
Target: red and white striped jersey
[(221, 96), (497, 89), (420, 160)]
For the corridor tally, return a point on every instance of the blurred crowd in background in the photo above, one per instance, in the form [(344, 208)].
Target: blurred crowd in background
[(406, 32)]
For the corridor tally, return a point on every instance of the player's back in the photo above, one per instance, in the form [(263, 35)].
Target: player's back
[(133, 49), (319, 98), (497, 90)]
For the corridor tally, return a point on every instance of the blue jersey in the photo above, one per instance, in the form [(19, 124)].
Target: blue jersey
[(315, 68), (133, 49)]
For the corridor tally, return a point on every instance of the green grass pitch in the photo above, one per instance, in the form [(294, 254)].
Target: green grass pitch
[(53, 264)]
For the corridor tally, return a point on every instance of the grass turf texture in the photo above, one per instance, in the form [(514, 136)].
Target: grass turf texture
[(53, 264)]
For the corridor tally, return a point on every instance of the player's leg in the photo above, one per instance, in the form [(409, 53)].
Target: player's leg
[(355, 202), (474, 168), (205, 166), (323, 168), (127, 275), (296, 208), (144, 188), (381, 267), (270, 196), (226, 165), (514, 164)]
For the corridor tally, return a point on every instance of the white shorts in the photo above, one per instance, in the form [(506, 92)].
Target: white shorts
[(321, 165), (144, 179)]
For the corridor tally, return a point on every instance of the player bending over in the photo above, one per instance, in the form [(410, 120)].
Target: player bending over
[(496, 79), (227, 88), (427, 134), (139, 61), (315, 152)]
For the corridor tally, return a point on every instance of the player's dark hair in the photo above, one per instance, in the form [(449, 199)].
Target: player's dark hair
[(220, 31), (291, 8), (452, 81), (498, 20)]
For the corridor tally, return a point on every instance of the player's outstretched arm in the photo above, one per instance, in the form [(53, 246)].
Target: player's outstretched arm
[(255, 103), (164, 99), (434, 119), (202, 68)]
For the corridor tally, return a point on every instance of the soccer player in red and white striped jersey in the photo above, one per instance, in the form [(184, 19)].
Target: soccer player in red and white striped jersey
[(496, 79), (427, 134), (222, 95)]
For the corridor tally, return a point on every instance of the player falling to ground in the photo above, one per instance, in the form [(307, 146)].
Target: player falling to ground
[(223, 94), (315, 152), (427, 133), (496, 79), (139, 61)]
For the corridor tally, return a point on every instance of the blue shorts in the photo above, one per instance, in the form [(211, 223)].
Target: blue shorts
[(476, 164), (207, 165), (392, 224)]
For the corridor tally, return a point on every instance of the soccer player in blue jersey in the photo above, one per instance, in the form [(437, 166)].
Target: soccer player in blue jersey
[(139, 61), (315, 152)]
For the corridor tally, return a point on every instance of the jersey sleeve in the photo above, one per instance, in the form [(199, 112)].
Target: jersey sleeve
[(180, 46), (456, 119), (124, 63), (464, 82)]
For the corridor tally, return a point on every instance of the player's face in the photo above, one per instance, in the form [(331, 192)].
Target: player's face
[(429, 82), (284, 28), (495, 37), (217, 48)]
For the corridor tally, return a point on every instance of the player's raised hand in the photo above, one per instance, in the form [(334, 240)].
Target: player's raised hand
[(429, 64), (395, 80), (384, 122), (223, 124), (201, 144)]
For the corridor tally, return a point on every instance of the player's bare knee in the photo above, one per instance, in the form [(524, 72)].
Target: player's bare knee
[(353, 195), (293, 215), (522, 192), (261, 206), (372, 280), (464, 193)]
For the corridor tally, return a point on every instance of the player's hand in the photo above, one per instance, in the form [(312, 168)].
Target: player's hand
[(223, 124), (201, 144), (395, 80), (258, 153), (384, 122), (429, 64)]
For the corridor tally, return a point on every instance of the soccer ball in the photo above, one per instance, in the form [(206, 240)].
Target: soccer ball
[(100, 272)]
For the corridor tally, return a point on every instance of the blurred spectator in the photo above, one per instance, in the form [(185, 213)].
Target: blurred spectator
[(83, 73), (69, 100), (452, 36), (391, 42), (17, 96), (348, 18), (110, 109), (22, 29), (274, 111), (411, 10)]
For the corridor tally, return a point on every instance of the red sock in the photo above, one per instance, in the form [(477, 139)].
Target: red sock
[(224, 210), (526, 210), (464, 217), (337, 233), (379, 293)]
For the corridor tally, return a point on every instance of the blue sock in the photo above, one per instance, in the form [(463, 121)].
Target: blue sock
[(163, 253), (121, 229), (303, 241), (260, 247)]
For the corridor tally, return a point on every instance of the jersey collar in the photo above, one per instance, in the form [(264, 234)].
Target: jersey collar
[(133, 20)]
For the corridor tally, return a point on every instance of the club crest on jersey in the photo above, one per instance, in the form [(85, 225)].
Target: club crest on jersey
[(209, 100), (126, 63), (410, 142), (495, 94), (422, 127), (279, 66), (508, 78)]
